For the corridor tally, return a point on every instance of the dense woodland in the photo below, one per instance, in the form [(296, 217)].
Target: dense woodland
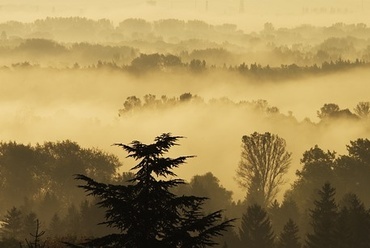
[(55, 193), (169, 43), (38, 184)]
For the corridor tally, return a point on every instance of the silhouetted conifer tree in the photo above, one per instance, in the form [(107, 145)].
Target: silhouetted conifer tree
[(56, 228), (36, 242), (256, 230), (289, 236), (343, 235), (145, 213), (323, 219), (29, 223), (13, 224), (353, 227)]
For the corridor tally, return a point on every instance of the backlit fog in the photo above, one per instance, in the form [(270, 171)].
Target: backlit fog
[(51, 105), (251, 14), (53, 89)]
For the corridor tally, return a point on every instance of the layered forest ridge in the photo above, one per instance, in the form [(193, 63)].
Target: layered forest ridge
[(63, 42), (276, 120)]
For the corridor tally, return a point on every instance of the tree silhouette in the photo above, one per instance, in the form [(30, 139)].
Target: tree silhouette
[(289, 236), (145, 213), (13, 224), (37, 242), (332, 111), (135, 26), (56, 226), (328, 110), (281, 213), (353, 225), (360, 150), (209, 186), (343, 235), (323, 219), (264, 162), (256, 230), (43, 174), (18, 164), (29, 223), (353, 169), (317, 169), (362, 109)]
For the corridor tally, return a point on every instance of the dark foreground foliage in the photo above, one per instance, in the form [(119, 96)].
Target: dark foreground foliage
[(145, 213)]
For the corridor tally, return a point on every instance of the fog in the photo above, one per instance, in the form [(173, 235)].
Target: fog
[(40, 105), (91, 74), (249, 15), (43, 99)]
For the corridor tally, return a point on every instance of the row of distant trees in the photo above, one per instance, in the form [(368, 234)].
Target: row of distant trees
[(328, 112), (159, 62), (130, 56), (64, 28), (75, 28), (190, 40)]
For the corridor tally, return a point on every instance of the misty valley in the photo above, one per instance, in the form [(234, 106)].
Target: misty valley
[(183, 132)]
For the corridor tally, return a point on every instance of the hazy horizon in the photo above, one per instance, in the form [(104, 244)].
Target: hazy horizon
[(53, 103), (39, 106), (249, 16)]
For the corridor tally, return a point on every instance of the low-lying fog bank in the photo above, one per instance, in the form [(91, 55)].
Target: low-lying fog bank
[(40, 105)]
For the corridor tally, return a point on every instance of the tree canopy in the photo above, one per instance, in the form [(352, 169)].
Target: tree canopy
[(145, 213), (264, 162), (256, 230)]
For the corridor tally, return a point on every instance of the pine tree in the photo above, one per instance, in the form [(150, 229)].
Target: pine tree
[(353, 227), (256, 230), (56, 226), (36, 236), (144, 212), (289, 236), (29, 223), (323, 219), (13, 224), (73, 221), (343, 233)]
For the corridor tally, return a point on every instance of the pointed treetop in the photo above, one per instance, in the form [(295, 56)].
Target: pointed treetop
[(161, 145)]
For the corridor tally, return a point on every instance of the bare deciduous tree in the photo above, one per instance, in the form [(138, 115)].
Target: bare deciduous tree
[(362, 109), (264, 161)]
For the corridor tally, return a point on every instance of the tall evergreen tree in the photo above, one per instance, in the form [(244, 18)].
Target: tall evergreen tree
[(343, 233), (289, 236), (56, 226), (36, 241), (29, 224), (144, 212), (256, 230), (13, 225), (323, 219), (354, 223)]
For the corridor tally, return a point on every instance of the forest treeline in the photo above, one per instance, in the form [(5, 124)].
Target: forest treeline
[(328, 113), (159, 63), (62, 42), (38, 184), (327, 204)]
